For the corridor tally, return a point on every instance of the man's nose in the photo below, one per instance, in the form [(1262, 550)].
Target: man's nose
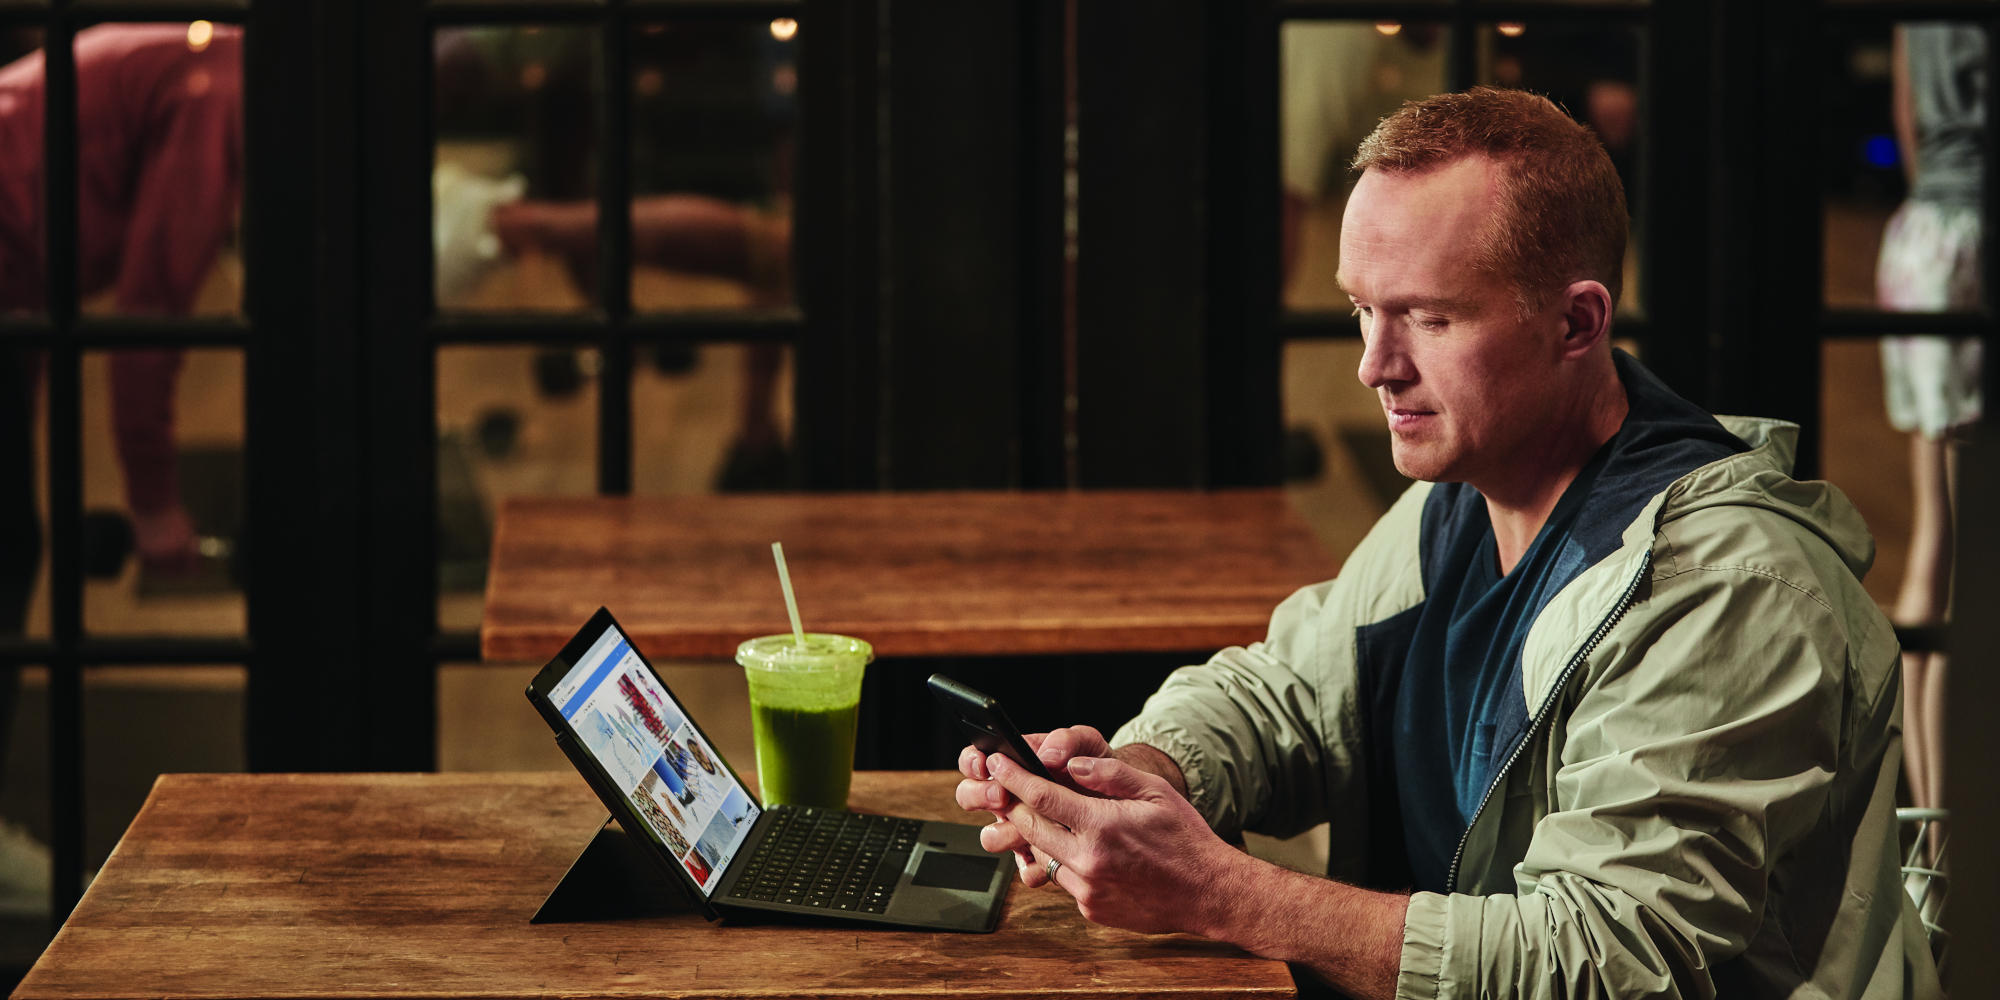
[(1383, 360)]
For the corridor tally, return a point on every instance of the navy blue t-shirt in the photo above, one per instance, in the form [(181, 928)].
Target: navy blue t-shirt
[(1457, 711)]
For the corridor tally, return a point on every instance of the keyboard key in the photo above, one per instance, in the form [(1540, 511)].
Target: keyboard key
[(829, 859)]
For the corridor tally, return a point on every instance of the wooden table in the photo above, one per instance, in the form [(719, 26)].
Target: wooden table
[(422, 885), (916, 574)]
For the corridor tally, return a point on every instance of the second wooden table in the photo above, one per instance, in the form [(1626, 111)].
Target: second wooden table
[(916, 574)]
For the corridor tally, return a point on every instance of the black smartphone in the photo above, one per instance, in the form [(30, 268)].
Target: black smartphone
[(986, 722)]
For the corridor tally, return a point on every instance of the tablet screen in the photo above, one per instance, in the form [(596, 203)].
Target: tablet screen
[(625, 719)]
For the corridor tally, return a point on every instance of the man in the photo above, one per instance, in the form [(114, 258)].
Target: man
[(159, 172), (1599, 709), (159, 158)]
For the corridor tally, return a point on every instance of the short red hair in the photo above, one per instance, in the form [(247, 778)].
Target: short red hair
[(1563, 216)]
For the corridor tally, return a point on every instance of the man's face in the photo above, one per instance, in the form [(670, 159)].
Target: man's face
[(1464, 381)]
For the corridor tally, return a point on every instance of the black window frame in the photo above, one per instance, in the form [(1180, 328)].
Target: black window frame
[(64, 337), (339, 340)]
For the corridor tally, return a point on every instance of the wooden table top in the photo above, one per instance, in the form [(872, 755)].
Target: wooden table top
[(916, 574), (421, 885)]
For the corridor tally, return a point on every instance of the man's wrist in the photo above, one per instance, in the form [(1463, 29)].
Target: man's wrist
[(1227, 911), (1348, 936)]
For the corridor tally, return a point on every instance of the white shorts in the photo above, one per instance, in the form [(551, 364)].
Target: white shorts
[(1930, 263)]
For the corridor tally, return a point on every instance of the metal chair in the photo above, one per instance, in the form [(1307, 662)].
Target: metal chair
[(1924, 875)]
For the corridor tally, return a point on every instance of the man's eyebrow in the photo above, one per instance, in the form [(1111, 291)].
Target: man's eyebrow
[(1434, 303), (1442, 303)]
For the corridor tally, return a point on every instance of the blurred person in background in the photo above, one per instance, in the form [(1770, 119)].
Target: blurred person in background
[(1930, 262), (159, 174), (692, 234), (711, 173), (160, 152)]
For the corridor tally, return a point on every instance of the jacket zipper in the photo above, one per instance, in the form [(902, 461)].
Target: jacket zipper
[(1562, 681)]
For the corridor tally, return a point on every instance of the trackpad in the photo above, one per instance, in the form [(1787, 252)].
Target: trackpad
[(945, 870)]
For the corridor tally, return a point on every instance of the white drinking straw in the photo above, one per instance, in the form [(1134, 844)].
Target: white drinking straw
[(791, 603)]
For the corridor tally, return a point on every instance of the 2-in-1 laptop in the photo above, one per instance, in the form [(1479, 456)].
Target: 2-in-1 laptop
[(681, 803)]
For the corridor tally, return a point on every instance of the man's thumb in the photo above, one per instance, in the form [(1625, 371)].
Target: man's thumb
[(1107, 776)]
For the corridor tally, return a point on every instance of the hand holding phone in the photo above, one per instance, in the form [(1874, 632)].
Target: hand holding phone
[(992, 732), (986, 723)]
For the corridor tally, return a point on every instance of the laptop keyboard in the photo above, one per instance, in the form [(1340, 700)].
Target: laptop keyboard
[(828, 859)]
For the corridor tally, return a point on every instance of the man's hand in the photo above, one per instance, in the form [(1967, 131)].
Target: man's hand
[(1132, 849), (1136, 854), (980, 792)]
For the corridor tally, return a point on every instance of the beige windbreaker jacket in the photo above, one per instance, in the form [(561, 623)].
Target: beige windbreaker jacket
[(1704, 805)]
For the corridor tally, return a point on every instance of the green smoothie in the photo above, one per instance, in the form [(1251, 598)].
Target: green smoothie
[(803, 704), (805, 756)]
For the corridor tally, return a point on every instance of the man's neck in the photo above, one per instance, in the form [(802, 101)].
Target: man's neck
[(1518, 510)]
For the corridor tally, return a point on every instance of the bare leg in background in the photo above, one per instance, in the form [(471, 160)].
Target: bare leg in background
[(1923, 600)]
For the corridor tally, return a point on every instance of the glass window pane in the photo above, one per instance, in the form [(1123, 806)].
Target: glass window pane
[(1336, 80), (717, 417), (1864, 176), (481, 728), (1338, 468), (142, 722), (514, 420), (25, 827), (160, 168), (1592, 71), (514, 173), (1904, 133), (163, 492), (23, 281), (1867, 457), (138, 723), (481, 725), (24, 570), (714, 110)]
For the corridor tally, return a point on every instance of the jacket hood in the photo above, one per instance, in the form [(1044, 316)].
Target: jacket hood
[(1761, 477)]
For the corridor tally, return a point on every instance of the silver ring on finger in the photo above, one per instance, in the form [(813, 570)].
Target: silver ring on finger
[(1051, 868)]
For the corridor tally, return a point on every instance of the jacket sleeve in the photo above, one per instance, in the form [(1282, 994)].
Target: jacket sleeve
[(1268, 735), (1244, 727), (1701, 745)]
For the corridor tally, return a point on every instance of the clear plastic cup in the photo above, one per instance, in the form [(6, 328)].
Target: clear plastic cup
[(803, 705)]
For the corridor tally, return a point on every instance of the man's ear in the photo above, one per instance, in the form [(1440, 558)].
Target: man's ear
[(1586, 317)]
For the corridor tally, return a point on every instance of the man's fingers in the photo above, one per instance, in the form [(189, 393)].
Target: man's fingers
[(1000, 837), (972, 763), (1033, 875), (1065, 879), (976, 795), (1054, 748), (1044, 811), (1113, 778), (1070, 741), (1041, 874)]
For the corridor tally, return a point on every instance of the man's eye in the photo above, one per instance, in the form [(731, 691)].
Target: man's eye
[(1430, 322)]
